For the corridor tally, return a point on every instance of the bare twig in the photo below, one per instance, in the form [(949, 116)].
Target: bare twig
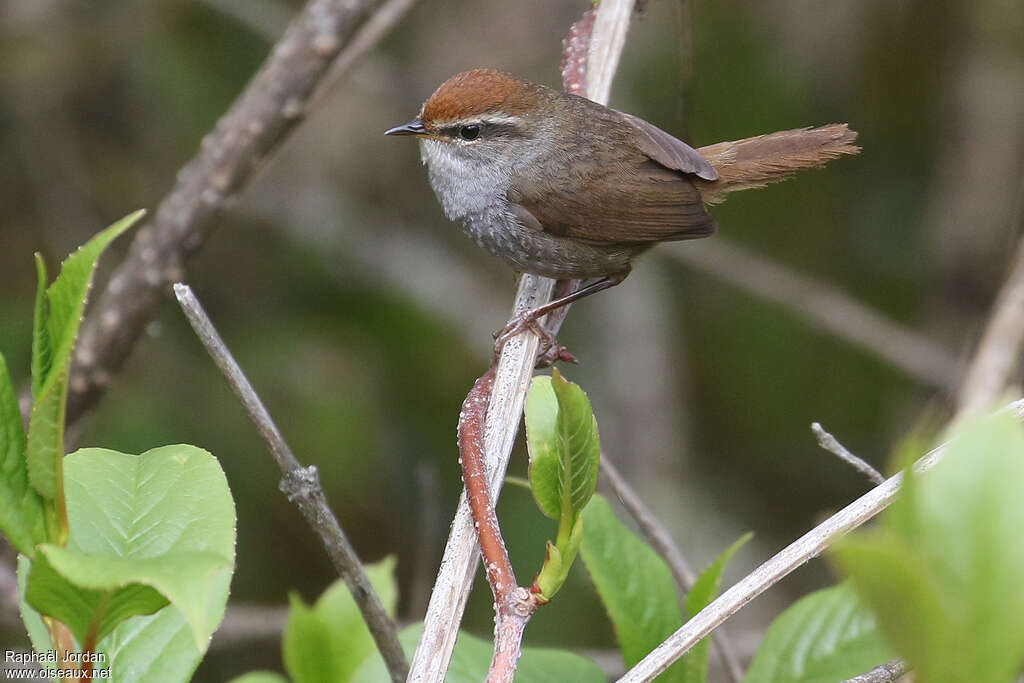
[(662, 542), (515, 367), (997, 355), (513, 605), (302, 486), (807, 547), (461, 554), (890, 672), (825, 307), (262, 117), (832, 445)]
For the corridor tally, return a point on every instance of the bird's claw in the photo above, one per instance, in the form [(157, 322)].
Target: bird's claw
[(550, 350)]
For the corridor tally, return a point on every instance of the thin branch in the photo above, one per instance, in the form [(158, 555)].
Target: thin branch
[(302, 486), (832, 445), (825, 307), (890, 672), (261, 118), (662, 542), (515, 367), (997, 355), (511, 604), (462, 554), (807, 547)]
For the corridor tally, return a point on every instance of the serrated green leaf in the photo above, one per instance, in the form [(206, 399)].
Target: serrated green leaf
[(42, 351), (944, 574), (159, 647), (634, 584), (580, 444), (328, 642), (472, 658), (824, 637), (66, 296), (541, 439), (44, 454), (704, 590), (88, 613), (37, 631), (163, 519), (65, 301), (21, 508), (564, 446)]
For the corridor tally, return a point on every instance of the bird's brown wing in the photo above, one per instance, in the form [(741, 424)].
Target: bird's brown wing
[(631, 200), (668, 150)]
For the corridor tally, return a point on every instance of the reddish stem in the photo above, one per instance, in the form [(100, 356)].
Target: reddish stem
[(474, 475), (513, 604)]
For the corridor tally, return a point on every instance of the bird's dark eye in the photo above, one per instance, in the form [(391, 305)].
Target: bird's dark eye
[(470, 132)]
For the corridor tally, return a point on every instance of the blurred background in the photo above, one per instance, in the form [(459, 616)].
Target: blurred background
[(363, 316)]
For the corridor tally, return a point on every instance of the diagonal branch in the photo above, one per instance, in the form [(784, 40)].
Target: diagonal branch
[(795, 555), (302, 486), (267, 111)]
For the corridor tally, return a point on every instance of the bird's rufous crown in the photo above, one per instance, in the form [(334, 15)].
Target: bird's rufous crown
[(476, 92)]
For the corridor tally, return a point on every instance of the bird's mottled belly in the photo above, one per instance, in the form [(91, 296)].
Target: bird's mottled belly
[(532, 251)]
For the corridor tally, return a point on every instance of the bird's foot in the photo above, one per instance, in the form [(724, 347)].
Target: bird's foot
[(550, 350)]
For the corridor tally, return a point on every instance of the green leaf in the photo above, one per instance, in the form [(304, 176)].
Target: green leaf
[(37, 631), (634, 584), (944, 573), (564, 445), (704, 590), (542, 441), (141, 649), (21, 508), (580, 445), (328, 642), (903, 594), (557, 563), (159, 647), (42, 351), (86, 612), (824, 637), (51, 358), (163, 520), (472, 658), (45, 450)]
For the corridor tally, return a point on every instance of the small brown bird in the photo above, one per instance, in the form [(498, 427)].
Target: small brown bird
[(560, 186)]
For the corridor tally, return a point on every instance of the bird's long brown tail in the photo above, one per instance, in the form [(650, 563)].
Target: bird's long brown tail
[(758, 161)]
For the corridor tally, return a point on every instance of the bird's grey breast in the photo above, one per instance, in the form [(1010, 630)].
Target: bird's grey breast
[(467, 184)]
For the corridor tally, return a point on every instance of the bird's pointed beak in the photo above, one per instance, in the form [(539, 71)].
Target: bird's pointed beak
[(414, 127)]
